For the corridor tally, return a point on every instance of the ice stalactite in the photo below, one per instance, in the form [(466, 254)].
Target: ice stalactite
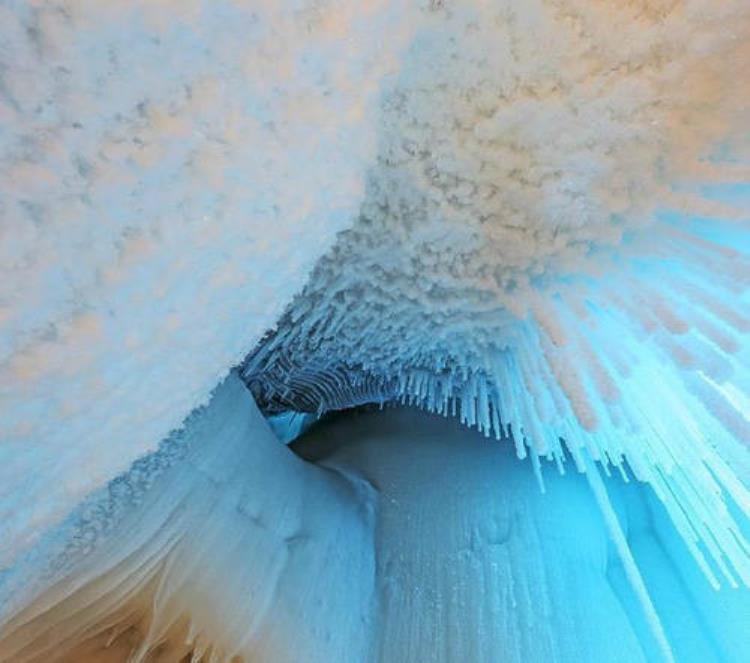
[(646, 366), (629, 564), (555, 246)]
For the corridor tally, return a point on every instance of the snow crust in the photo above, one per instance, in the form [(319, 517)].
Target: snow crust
[(505, 167), (170, 173)]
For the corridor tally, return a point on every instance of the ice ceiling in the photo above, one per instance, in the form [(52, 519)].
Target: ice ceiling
[(532, 216)]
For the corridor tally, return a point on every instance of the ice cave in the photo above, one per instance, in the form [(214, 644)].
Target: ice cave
[(374, 331)]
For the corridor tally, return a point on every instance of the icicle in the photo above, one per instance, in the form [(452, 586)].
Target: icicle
[(626, 557), (538, 471)]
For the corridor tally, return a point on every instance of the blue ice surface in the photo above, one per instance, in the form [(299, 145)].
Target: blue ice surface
[(702, 624)]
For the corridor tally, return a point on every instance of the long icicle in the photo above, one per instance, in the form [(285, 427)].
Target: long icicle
[(626, 557)]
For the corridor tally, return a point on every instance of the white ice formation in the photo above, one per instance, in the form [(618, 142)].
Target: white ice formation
[(170, 173), (531, 216), (210, 547)]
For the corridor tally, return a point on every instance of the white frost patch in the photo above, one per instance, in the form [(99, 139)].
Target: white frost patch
[(169, 174)]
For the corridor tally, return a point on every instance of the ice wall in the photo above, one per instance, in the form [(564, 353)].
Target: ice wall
[(406, 537), (224, 543), (476, 564)]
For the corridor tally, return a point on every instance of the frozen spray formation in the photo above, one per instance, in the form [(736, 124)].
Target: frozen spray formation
[(533, 217)]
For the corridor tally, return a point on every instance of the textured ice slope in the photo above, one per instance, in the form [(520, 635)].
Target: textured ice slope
[(223, 543)]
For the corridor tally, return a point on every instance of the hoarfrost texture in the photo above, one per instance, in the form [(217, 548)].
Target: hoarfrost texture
[(533, 216), (171, 171)]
